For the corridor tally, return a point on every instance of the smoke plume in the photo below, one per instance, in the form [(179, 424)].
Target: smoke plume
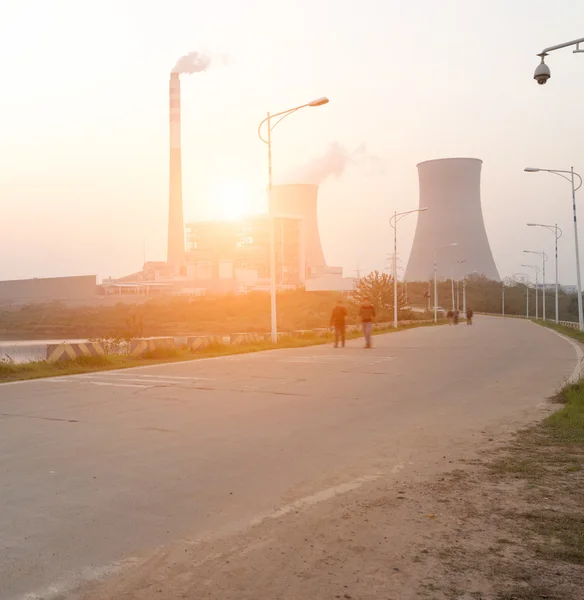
[(334, 162), (193, 62)]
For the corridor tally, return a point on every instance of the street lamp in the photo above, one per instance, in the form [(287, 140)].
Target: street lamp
[(464, 290), (268, 141), (542, 72), (554, 229), (544, 257), (435, 286), (536, 280), (393, 221), (574, 190), (458, 262), (526, 276)]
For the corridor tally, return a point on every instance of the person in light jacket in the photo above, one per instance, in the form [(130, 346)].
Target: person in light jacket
[(367, 314)]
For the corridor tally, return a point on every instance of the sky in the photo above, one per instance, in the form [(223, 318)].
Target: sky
[(84, 121)]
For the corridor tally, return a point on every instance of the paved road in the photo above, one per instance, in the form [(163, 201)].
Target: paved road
[(98, 468)]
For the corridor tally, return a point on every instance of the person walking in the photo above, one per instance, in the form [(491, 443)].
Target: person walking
[(469, 314), (338, 317), (367, 314)]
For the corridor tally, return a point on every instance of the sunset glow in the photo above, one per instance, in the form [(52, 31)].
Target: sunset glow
[(233, 200)]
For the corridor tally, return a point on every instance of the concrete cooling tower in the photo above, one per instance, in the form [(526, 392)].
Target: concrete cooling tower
[(299, 200), (450, 188)]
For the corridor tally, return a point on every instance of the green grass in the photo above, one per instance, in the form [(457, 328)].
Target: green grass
[(575, 334), (88, 364), (566, 426)]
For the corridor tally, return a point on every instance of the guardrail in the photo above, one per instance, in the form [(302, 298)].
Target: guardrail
[(571, 324)]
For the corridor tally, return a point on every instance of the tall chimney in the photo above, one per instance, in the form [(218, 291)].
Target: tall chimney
[(176, 243)]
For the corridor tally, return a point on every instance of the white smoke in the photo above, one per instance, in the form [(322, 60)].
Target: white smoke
[(334, 162), (193, 62)]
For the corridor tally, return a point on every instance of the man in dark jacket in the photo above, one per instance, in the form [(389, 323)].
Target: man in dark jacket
[(367, 314), (338, 317)]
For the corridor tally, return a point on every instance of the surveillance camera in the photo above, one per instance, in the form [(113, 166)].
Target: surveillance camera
[(542, 73)]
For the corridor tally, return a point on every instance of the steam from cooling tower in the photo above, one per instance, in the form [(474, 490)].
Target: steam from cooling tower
[(193, 62), (333, 163)]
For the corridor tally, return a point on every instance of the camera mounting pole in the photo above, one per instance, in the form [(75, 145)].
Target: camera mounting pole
[(576, 43)]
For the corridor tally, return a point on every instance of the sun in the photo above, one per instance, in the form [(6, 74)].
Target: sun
[(234, 200)]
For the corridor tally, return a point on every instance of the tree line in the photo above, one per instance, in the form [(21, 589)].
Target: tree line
[(482, 295)]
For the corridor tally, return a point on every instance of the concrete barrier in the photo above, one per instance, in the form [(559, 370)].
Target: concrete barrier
[(245, 338), (61, 352), (302, 333), (200, 342), (321, 331), (141, 346)]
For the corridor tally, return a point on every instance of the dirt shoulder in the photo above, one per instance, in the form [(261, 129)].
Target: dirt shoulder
[(504, 524)]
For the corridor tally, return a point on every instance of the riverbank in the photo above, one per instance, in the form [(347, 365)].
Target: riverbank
[(86, 364)]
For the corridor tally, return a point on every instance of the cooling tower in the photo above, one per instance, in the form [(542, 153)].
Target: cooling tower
[(450, 188), (176, 240), (299, 200)]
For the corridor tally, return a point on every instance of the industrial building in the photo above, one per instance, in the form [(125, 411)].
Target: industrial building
[(218, 251), (47, 289), (452, 229), (232, 256), (241, 249)]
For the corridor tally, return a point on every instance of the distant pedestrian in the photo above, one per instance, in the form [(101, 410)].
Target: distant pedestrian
[(338, 317), (367, 314), (456, 317), (469, 314), (450, 316)]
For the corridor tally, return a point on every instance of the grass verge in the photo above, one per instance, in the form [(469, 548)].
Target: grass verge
[(520, 513), (87, 364), (575, 334)]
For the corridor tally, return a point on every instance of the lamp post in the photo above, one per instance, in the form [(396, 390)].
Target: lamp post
[(536, 280), (526, 291), (452, 287), (543, 256), (393, 221), (458, 262), (268, 142), (574, 190), (435, 285), (555, 229), (464, 289)]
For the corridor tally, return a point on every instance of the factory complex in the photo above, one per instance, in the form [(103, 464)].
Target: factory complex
[(284, 245)]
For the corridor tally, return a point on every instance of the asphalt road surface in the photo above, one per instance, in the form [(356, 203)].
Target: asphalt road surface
[(96, 469)]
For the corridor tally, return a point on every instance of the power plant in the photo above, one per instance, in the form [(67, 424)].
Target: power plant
[(300, 201), (450, 189), (232, 255), (221, 254), (176, 245)]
